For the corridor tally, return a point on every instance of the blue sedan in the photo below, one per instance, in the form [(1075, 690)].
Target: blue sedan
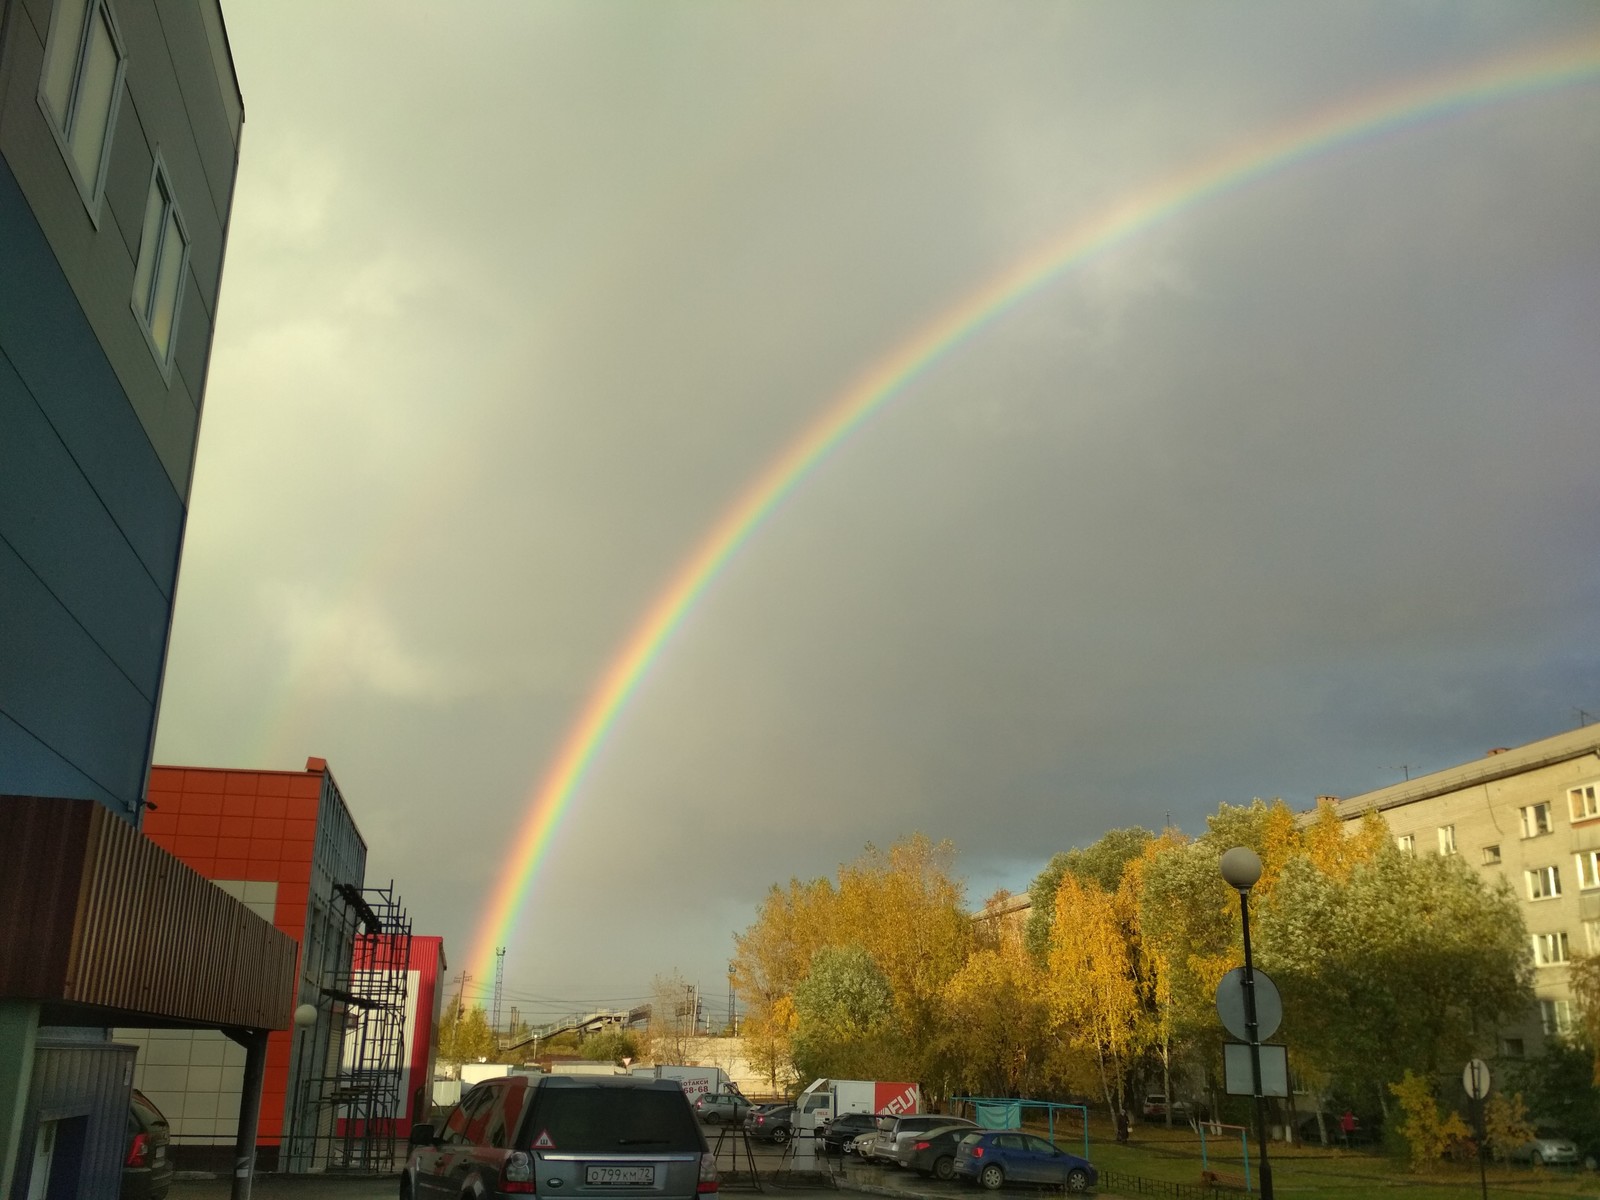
[(1005, 1156)]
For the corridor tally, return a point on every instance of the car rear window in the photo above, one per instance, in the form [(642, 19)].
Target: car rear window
[(147, 1113), (600, 1119)]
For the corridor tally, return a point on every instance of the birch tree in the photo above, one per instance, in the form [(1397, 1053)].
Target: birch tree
[(1094, 987)]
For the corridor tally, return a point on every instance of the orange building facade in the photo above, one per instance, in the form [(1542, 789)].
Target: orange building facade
[(285, 845)]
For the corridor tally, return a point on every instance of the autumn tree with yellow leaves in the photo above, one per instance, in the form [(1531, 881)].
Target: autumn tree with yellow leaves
[(1385, 962), (904, 910)]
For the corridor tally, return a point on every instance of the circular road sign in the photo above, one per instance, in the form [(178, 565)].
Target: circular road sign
[(1475, 1078), (1230, 1005)]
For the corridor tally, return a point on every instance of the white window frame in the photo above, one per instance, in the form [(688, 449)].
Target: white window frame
[(1491, 856), (1583, 802), (1551, 949), (1588, 869), (161, 190), (1555, 1016), (1544, 883), (1407, 843), (66, 126), (1536, 820), (1591, 930), (1447, 840)]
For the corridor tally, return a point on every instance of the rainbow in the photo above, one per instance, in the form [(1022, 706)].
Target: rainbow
[(1395, 110)]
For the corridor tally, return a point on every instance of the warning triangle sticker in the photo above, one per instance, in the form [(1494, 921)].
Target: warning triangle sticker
[(544, 1141)]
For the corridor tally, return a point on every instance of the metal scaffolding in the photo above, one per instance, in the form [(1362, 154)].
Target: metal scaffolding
[(347, 1113)]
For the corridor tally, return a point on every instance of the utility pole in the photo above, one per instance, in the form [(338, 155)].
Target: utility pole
[(499, 984)]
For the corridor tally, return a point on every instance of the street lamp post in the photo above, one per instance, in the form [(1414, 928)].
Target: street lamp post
[(1241, 867)]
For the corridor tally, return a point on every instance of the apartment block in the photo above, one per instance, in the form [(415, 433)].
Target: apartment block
[(1530, 816)]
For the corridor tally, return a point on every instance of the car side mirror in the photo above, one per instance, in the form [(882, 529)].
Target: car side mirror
[(421, 1135)]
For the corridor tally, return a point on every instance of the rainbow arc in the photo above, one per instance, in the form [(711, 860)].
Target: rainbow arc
[(1412, 105)]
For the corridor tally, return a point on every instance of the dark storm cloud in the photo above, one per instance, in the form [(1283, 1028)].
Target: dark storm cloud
[(1284, 497)]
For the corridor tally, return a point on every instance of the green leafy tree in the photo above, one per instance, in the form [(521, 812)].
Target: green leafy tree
[(465, 1036), (1559, 1084), (844, 1012), (1101, 863), (1398, 967), (612, 1045)]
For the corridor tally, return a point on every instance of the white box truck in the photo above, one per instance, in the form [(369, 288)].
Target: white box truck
[(826, 1098), (695, 1081)]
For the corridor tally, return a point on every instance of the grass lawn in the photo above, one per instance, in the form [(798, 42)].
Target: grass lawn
[(1314, 1173)]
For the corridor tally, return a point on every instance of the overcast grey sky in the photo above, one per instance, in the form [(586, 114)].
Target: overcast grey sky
[(1286, 496)]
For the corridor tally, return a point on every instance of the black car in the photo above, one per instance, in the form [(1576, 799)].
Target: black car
[(146, 1168), (771, 1124), (934, 1153), (838, 1133)]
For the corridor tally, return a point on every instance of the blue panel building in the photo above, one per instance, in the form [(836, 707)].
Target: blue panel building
[(119, 146)]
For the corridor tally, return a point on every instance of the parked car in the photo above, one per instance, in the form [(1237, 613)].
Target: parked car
[(894, 1143), (1548, 1146), (996, 1158), (839, 1134), (715, 1107), (863, 1146), (146, 1168), (934, 1152), (1155, 1105), (582, 1135), (774, 1123)]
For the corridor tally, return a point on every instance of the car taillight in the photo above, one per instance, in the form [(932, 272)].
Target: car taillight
[(977, 1152), (139, 1152), (516, 1174), (922, 1145), (708, 1174)]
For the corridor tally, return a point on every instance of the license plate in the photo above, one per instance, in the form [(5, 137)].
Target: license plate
[(622, 1176)]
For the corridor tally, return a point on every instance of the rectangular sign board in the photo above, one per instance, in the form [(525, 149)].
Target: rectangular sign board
[(1274, 1070)]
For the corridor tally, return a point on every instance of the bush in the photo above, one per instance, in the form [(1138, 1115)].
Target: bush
[(1429, 1134)]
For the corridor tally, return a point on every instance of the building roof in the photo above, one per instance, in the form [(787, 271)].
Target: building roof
[(1496, 764)]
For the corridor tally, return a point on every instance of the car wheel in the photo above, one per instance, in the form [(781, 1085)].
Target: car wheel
[(713, 1119), (405, 1187), (992, 1178), (1537, 1159), (1590, 1162), (1077, 1180), (780, 1135), (944, 1167)]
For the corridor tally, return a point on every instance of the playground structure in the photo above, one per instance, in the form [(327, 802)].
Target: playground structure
[(1000, 1112), (1219, 1173)]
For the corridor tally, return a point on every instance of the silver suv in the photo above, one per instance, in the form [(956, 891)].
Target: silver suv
[(583, 1137), (897, 1135), (715, 1107)]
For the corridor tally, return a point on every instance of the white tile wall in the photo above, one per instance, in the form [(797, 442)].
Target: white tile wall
[(194, 1076), (259, 896)]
